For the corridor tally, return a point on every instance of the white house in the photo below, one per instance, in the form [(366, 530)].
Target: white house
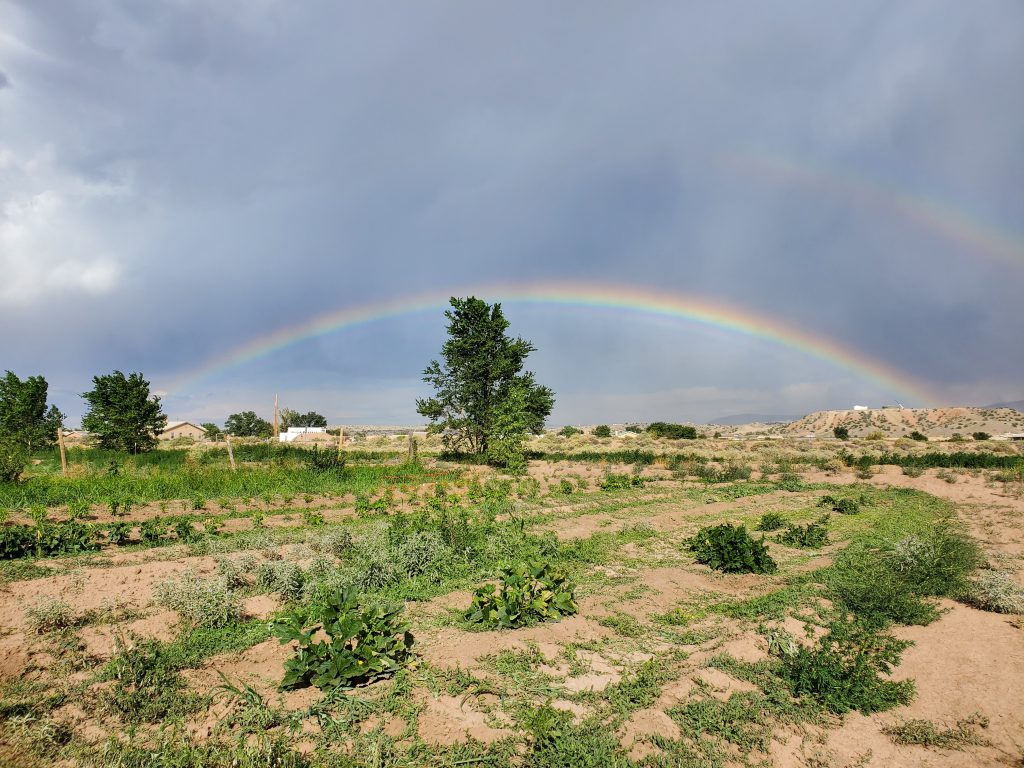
[(295, 432)]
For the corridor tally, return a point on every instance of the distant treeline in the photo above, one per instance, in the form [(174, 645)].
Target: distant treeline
[(957, 460)]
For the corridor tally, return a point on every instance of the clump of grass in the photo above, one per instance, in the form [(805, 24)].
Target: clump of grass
[(201, 602), (147, 686), (912, 470), (995, 591), (48, 614), (623, 624), (926, 733), (770, 521)]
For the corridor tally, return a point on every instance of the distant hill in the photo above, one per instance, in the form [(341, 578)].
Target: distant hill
[(752, 418), (1017, 405), (897, 422)]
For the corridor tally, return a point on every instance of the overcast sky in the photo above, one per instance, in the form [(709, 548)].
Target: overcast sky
[(179, 177)]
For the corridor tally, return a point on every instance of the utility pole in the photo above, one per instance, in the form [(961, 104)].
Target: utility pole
[(63, 455), (277, 434)]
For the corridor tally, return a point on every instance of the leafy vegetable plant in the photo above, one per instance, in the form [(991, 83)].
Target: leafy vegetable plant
[(362, 644), (527, 593), (731, 549)]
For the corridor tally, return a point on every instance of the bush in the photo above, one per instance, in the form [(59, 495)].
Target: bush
[(201, 602), (337, 542), (731, 549), (812, 535), (770, 521), (13, 460), (842, 506), (117, 533), (614, 482), (281, 576), (918, 436), (842, 671), (995, 591), (323, 460), (568, 431), (527, 593), (602, 430), (980, 436), (423, 552), (891, 584), (841, 433), (671, 431), (565, 487), (362, 644)]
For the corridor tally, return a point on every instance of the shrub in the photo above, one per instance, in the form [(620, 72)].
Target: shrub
[(842, 506), (918, 436), (324, 460), (568, 431), (152, 532), (841, 433), (423, 552), (526, 593), (565, 487), (281, 576), (842, 670), (731, 471), (234, 572), (362, 644), (201, 602), (16, 541), (886, 585), (731, 549), (980, 436), (995, 591), (49, 614), (613, 481), (337, 542), (912, 470), (185, 531), (671, 431), (13, 460), (811, 535), (602, 430), (770, 521)]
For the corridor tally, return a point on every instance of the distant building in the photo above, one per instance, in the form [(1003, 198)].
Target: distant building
[(861, 408), (176, 429), (294, 433)]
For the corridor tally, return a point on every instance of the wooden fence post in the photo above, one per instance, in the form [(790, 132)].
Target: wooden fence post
[(63, 455), (231, 453)]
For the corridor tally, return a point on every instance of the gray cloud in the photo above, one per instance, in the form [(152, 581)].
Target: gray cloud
[(181, 178)]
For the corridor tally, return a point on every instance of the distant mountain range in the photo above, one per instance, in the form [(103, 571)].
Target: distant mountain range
[(752, 418), (1016, 405)]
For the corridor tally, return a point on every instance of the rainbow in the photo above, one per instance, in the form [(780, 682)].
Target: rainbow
[(632, 299), (980, 237)]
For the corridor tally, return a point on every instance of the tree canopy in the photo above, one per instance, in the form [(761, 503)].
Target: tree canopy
[(24, 417), (290, 418), (248, 424), (484, 402), (121, 415)]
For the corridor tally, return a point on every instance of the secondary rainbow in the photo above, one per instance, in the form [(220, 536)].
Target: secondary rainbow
[(980, 237), (630, 299)]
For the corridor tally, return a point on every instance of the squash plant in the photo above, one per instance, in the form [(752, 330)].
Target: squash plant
[(361, 644), (527, 593), (731, 549)]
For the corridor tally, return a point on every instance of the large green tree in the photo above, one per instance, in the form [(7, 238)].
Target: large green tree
[(484, 402), (24, 417), (121, 415), (290, 418), (248, 424)]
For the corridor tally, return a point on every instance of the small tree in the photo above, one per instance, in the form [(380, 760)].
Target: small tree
[(484, 402), (13, 458), (121, 414), (672, 431), (915, 435), (213, 432), (602, 430), (841, 433), (248, 424), (24, 417), (979, 436), (569, 431)]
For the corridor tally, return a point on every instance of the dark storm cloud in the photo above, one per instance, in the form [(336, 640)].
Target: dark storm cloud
[(176, 179)]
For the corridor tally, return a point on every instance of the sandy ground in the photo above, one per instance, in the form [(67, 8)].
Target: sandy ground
[(967, 662)]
